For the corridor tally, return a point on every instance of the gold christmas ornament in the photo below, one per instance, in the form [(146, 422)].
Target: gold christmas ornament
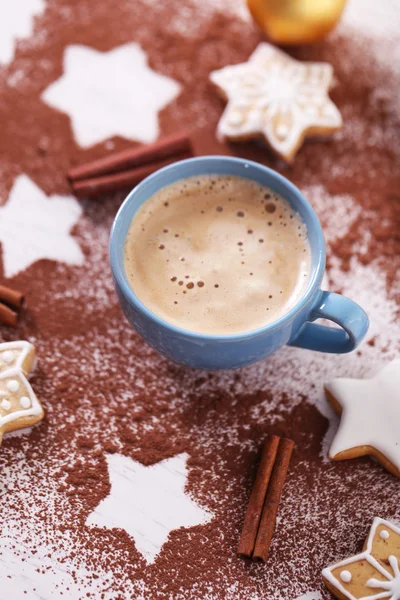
[(296, 21)]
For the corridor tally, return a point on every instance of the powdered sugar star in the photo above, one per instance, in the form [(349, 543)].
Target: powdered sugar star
[(148, 502), (110, 93), (16, 20), (35, 226)]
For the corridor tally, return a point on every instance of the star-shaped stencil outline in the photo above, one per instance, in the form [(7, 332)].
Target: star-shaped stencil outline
[(151, 510), (17, 22), (364, 406), (375, 556), (99, 88), (34, 226), (309, 112)]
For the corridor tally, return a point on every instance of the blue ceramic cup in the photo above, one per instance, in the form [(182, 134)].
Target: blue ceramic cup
[(295, 328)]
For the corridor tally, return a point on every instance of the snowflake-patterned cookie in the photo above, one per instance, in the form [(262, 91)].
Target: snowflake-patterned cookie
[(372, 574), (19, 406), (278, 98)]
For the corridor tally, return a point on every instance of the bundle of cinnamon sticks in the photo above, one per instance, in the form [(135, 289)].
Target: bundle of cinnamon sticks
[(124, 169), (259, 523), (11, 303)]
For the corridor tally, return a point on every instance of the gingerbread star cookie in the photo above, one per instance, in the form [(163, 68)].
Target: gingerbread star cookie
[(19, 406), (278, 98), (370, 417), (372, 574)]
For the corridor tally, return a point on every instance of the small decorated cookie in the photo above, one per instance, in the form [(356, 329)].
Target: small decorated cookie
[(278, 98), (372, 574), (370, 417), (19, 406)]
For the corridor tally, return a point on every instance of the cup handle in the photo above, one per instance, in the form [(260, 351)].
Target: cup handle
[(343, 311)]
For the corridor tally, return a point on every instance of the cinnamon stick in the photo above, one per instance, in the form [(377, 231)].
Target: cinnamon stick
[(253, 515), (96, 186), (8, 316), (125, 160), (270, 509), (13, 298)]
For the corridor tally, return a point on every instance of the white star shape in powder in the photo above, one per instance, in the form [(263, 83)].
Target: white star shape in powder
[(34, 226), (148, 502), (111, 93), (16, 21), (370, 417), (276, 97)]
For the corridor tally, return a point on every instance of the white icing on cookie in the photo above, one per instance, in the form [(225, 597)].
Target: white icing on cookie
[(19, 351), (392, 586), (282, 130), (5, 404), (25, 410), (346, 576), (25, 402), (384, 534), (17, 397), (7, 356), (12, 385), (278, 97), (19, 406), (391, 578), (370, 413)]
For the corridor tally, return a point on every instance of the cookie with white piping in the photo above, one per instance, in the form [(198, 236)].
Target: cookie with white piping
[(374, 573), (370, 416), (19, 406), (278, 98), (17, 355)]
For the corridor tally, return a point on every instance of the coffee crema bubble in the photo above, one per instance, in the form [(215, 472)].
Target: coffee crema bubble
[(217, 254)]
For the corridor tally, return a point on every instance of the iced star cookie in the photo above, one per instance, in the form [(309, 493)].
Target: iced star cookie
[(372, 574), (19, 406), (370, 417), (278, 98)]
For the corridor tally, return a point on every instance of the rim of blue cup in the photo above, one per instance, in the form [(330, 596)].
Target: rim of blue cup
[(117, 248)]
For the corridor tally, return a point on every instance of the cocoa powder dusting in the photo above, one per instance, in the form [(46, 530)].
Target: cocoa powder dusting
[(105, 392)]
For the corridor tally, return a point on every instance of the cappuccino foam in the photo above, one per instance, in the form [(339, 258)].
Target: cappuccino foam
[(217, 255)]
